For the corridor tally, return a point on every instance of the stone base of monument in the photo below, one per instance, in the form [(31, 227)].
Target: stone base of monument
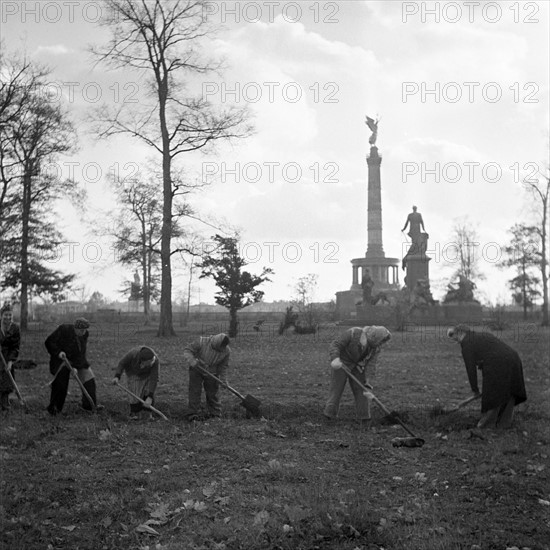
[(462, 312), (437, 314)]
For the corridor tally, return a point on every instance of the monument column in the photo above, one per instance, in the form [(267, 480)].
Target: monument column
[(374, 206)]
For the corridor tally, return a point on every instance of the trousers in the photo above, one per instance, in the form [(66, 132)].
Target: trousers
[(499, 417), (197, 381), (60, 386), (338, 381)]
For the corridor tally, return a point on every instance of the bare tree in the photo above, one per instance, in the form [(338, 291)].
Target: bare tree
[(304, 290), (33, 132), (540, 190), (163, 41), (464, 250), (137, 232)]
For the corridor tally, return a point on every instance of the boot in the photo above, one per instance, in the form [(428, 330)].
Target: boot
[(58, 392), (91, 389), (5, 401)]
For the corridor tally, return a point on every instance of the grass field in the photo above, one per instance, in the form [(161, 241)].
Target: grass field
[(290, 480)]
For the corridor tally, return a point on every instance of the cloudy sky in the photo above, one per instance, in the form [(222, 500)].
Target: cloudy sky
[(460, 88)]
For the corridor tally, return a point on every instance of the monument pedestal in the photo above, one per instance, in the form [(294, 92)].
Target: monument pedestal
[(416, 262)]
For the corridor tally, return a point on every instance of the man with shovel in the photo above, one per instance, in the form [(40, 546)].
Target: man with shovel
[(212, 354), (10, 337), (357, 349), (141, 366), (503, 385), (67, 348)]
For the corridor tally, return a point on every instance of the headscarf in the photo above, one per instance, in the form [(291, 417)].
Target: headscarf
[(374, 336)]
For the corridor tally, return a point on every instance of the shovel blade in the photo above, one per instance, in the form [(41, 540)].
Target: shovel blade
[(407, 442), (252, 405)]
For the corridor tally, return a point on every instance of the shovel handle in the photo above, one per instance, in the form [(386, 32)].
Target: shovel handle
[(368, 387), (12, 380), (224, 384), (79, 382), (142, 401), (463, 403)]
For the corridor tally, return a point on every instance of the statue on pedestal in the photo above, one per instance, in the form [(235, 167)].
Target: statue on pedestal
[(415, 222), (367, 284), (417, 233), (373, 127), (462, 291)]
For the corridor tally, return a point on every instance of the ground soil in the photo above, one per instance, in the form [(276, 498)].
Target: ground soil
[(290, 480)]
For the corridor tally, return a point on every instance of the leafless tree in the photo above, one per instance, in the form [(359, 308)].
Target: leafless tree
[(539, 189), (163, 41), (34, 131)]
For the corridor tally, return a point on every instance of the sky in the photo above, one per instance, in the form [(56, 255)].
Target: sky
[(461, 91)]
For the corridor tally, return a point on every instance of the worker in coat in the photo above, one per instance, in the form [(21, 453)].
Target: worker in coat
[(357, 349), (503, 386)]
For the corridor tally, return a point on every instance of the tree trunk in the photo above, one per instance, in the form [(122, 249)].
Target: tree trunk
[(166, 327), (544, 263), (233, 323), (25, 220), (524, 287)]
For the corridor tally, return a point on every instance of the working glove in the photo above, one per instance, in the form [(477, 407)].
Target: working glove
[(336, 363), (368, 395), (62, 355), (115, 380), (148, 401)]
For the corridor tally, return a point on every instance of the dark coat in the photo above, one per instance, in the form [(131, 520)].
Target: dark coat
[(64, 338), (9, 342), (131, 365), (500, 366)]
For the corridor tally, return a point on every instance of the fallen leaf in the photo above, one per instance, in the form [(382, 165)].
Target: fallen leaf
[(146, 529), (106, 522), (160, 512), (188, 504), (209, 490), (105, 434), (69, 528), (261, 518), (199, 506), (544, 502)]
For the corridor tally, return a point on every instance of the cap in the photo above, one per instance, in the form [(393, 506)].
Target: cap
[(146, 354)]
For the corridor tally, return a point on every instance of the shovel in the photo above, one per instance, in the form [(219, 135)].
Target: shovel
[(438, 410), (142, 401), (251, 404), (413, 441), (82, 388), (10, 376)]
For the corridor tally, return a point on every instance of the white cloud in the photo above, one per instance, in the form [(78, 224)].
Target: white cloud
[(55, 49)]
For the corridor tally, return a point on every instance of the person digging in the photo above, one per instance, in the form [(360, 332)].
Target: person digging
[(141, 366), (212, 354), (501, 369), (10, 339), (67, 348), (357, 349)]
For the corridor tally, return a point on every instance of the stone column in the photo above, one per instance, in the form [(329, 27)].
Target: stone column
[(374, 206)]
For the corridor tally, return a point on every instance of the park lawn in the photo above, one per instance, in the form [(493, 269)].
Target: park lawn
[(290, 480)]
